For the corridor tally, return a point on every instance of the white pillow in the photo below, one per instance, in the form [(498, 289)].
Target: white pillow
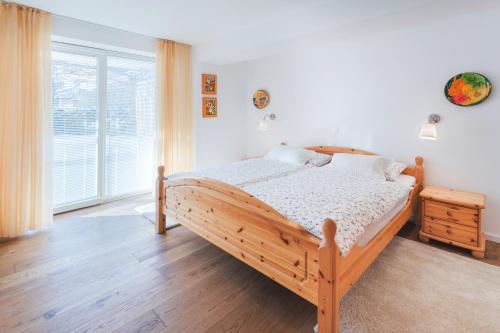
[(362, 165), (320, 159), (393, 170), (292, 155), (406, 180)]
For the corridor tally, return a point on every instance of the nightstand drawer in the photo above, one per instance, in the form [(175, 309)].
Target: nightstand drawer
[(452, 213), (451, 231)]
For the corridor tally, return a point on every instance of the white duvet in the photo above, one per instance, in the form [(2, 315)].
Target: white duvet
[(246, 172), (310, 196)]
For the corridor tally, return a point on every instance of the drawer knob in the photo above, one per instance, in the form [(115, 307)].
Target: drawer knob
[(449, 214)]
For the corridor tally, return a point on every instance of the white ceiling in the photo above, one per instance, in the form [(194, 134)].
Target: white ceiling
[(228, 30)]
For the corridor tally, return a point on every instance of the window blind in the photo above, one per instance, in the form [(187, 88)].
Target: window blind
[(130, 102), (75, 150)]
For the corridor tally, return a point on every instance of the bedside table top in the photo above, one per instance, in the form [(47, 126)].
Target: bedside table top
[(460, 198)]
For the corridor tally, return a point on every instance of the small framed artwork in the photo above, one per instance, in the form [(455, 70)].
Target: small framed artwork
[(209, 107), (209, 84)]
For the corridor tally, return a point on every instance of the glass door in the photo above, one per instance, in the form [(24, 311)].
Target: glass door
[(103, 125), (75, 129), (129, 126)]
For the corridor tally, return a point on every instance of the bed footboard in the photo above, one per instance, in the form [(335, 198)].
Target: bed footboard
[(243, 226)]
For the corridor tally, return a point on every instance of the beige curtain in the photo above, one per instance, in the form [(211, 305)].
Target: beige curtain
[(25, 200), (174, 132)]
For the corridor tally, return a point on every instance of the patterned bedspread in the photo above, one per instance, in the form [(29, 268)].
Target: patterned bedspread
[(246, 172), (309, 196)]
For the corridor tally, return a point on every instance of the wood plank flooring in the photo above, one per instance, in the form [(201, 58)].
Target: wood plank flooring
[(103, 269)]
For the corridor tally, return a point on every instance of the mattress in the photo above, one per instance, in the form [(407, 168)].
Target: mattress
[(373, 229)]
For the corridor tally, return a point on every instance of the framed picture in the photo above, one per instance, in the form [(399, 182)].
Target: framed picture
[(209, 84), (209, 107)]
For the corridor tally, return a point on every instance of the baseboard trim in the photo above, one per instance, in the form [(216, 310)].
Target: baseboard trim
[(492, 237)]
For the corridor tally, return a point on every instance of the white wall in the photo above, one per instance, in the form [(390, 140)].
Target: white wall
[(220, 140), (374, 90), (65, 29)]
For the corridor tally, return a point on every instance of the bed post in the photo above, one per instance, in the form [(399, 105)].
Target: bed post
[(160, 201), (419, 170), (419, 176), (328, 284)]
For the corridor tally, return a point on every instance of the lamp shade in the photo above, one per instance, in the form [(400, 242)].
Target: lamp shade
[(428, 132), (263, 125)]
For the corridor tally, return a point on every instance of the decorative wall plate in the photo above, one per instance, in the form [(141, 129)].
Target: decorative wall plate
[(467, 89), (261, 99)]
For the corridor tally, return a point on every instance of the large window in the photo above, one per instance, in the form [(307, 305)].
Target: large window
[(103, 118)]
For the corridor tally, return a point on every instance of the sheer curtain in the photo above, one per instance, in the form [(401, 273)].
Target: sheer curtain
[(174, 115), (25, 120)]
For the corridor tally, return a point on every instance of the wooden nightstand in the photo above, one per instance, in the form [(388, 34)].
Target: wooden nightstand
[(453, 217)]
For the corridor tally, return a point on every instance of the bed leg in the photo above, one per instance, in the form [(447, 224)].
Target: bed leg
[(160, 201), (328, 283)]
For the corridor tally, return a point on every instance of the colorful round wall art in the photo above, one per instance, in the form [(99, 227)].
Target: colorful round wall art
[(261, 99), (467, 89)]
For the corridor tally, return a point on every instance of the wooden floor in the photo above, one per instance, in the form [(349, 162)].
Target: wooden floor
[(104, 269)]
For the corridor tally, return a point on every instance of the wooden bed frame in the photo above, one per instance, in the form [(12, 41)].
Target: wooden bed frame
[(261, 237)]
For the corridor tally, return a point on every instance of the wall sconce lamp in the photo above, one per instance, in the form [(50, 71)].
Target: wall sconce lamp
[(263, 123), (428, 131)]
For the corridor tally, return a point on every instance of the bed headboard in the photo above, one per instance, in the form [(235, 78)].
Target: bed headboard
[(330, 150), (416, 171)]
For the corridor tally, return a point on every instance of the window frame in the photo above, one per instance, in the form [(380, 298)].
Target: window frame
[(101, 56)]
